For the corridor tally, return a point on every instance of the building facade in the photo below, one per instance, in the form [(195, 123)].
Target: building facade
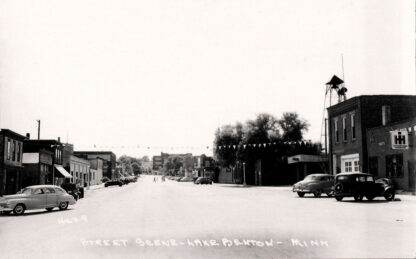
[(349, 121), (109, 166), (392, 153), (11, 166), (43, 162), (96, 170)]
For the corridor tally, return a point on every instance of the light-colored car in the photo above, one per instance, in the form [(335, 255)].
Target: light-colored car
[(36, 197), (316, 184)]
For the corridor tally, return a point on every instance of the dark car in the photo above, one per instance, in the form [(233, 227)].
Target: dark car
[(359, 185), (316, 184), (113, 182), (71, 189), (203, 180)]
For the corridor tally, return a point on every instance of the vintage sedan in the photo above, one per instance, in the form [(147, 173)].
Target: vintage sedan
[(203, 180), (36, 197), (359, 185), (316, 184)]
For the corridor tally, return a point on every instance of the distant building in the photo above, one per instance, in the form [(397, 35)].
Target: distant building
[(79, 168), (11, 167), (302, 165), (350, 120), (109, 166), (392, 153), (96, 170), (157, 162)]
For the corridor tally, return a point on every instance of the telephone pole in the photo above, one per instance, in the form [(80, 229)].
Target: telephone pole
[(38, 129)]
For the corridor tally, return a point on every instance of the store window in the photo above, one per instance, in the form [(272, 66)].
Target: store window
[(394, 165), (9, 147), (348, 166)]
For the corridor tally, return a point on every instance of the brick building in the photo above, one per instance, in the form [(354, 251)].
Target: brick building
[(386, 159), (350, 120), (11, 167), (109, 165)]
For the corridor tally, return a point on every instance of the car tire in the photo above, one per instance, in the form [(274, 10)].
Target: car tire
[(339, 198), (63, 205), (317, 193), (389, 195), (19, 209), (49, 209), (301, 194), (358, 197)]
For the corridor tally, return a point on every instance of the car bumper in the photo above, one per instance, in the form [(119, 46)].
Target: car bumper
[(297, 189), (3, 208)]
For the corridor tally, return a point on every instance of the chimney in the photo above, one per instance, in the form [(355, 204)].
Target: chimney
[(59, 139), (385, 114), (27, 135)]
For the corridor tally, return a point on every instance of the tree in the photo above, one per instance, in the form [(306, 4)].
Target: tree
[(145, 159), (293, 128)]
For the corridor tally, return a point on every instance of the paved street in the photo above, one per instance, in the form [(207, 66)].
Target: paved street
[(182, 220)]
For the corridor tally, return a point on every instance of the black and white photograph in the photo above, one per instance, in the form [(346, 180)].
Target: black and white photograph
[(207, 129)]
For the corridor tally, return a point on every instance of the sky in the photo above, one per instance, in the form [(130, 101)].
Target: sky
[(144, 77)]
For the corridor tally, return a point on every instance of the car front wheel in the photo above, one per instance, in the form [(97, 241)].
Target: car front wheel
[(19, 209), (301, 194), (63, 205), (389, 195)]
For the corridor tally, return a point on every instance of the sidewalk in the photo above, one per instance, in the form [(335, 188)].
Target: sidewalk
[(94, 187)]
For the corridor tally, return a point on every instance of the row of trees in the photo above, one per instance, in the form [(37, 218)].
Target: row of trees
[(132, 164), (265, 128)]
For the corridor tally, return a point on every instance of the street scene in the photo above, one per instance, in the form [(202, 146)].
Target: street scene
[(173, 219), (207, 129)]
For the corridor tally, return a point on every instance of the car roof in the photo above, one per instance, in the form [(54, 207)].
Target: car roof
[(362, 174), (319, 174), (42, 186)]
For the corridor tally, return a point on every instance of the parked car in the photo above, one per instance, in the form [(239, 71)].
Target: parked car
[(359, 185), (203, 180), (71, 189), (36, 197), (113, 182), (316, 184), (186, 179)]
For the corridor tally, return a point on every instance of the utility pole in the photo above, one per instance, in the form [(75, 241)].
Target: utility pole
[(38, 129)]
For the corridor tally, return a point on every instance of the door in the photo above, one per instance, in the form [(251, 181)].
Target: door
[(37, 199), (51, 197)]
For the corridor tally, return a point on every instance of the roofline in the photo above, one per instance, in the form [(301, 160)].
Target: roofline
[(11, 132)]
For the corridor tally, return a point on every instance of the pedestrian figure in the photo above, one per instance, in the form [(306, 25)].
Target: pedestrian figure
[(154, 179)]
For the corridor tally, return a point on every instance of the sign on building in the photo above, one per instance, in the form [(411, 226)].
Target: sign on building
[(399, 139)]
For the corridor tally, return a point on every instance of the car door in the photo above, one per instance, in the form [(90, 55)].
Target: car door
[(51, 198), (37, 199)]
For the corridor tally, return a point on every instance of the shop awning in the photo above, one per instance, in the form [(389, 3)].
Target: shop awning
[(63, 172)]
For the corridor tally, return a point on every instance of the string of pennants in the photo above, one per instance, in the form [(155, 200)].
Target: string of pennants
[(143, 147), (263, 145)]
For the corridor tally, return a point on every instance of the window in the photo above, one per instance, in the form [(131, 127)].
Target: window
[(336, 130), (353, 126), (394, 165), (59, 191), (19, 149), (348, 166), (356, 166), (8, 149), (344, 128), (38, 191), (14, 150), (49, 190)]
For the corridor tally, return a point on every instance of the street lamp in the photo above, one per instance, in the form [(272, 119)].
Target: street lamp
[(244, 173)]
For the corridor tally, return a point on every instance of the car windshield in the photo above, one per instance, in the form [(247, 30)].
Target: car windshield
[(312, 177), (26, 191)]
